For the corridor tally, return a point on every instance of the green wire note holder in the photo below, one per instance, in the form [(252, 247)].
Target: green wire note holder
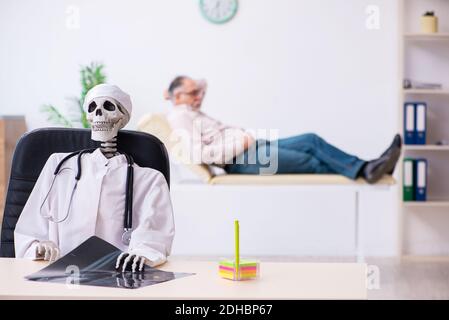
[(236, 269)]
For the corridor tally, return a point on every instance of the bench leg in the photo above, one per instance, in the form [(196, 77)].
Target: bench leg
[(360, 256)]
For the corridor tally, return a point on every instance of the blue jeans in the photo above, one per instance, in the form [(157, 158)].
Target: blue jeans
[(306, 153)]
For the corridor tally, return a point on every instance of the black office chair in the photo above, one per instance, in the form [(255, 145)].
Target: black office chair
[(33, 150)]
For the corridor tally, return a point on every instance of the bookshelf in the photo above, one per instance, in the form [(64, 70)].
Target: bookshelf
[(425, 37), (425, 91), (424, 58), (427, 204), (425, 148)]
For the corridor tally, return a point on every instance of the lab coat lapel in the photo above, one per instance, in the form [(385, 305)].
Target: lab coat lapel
[(86, 199)]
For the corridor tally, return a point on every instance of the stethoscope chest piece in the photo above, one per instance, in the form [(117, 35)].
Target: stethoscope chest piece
[(126, 237)]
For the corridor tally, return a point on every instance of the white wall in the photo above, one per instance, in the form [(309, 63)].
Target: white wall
[(286, 64), (293, 65)]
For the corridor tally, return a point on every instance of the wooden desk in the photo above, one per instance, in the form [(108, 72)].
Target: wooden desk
[(277, 281)]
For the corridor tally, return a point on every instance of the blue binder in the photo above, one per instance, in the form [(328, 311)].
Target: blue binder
[(420, 122), (409, 123), (420, 179)]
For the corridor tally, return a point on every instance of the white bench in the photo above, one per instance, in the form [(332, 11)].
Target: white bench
[(288, 214)]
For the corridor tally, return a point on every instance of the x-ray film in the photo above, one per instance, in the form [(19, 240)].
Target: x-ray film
[(93, 263)]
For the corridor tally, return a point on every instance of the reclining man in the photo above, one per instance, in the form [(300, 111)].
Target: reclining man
[(237, 152)]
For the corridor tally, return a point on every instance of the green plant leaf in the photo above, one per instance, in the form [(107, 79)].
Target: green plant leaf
[(90, 76), (54, 116)]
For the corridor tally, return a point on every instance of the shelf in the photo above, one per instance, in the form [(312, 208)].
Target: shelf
[(425, 148), (425, 36), (426, 258), (426, 91), (418, 204)]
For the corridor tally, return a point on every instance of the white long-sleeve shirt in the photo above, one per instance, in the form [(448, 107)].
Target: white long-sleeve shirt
[(208, 140), (97, 208)]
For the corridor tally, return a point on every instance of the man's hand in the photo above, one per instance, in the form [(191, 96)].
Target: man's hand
[(47, 250), (248, 141)]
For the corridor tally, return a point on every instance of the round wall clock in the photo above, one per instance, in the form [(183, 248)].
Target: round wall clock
[(219, 11)]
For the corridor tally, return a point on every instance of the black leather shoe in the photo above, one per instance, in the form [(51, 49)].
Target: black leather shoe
[(375, 169), (397, 141)]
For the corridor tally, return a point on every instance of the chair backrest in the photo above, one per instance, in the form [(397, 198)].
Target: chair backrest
[(157, 124), (35, 147)]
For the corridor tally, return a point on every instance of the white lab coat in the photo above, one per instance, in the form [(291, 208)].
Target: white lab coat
[(97, 208)]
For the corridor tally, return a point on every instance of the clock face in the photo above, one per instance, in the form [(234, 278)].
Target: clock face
[(219, 11)]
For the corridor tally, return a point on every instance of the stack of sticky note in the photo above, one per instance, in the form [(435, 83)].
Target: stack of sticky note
[(247, 269), (236, 269)]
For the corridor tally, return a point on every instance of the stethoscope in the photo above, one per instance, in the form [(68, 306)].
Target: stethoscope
[(128, 218)]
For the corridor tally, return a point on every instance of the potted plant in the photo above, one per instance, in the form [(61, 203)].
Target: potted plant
[(91, 75)]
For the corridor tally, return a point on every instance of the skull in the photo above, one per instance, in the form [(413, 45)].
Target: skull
[(106, 117)]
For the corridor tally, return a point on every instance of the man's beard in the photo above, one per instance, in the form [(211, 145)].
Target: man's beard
[(196, 106)]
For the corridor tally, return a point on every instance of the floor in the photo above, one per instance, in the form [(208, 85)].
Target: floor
[(412, 278), (389, 278)]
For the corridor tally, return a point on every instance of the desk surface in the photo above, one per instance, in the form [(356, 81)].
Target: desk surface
[(277, 281)]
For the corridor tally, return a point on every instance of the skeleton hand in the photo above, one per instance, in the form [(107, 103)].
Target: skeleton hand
[(130, 280), (47, 250), (130, 262)]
